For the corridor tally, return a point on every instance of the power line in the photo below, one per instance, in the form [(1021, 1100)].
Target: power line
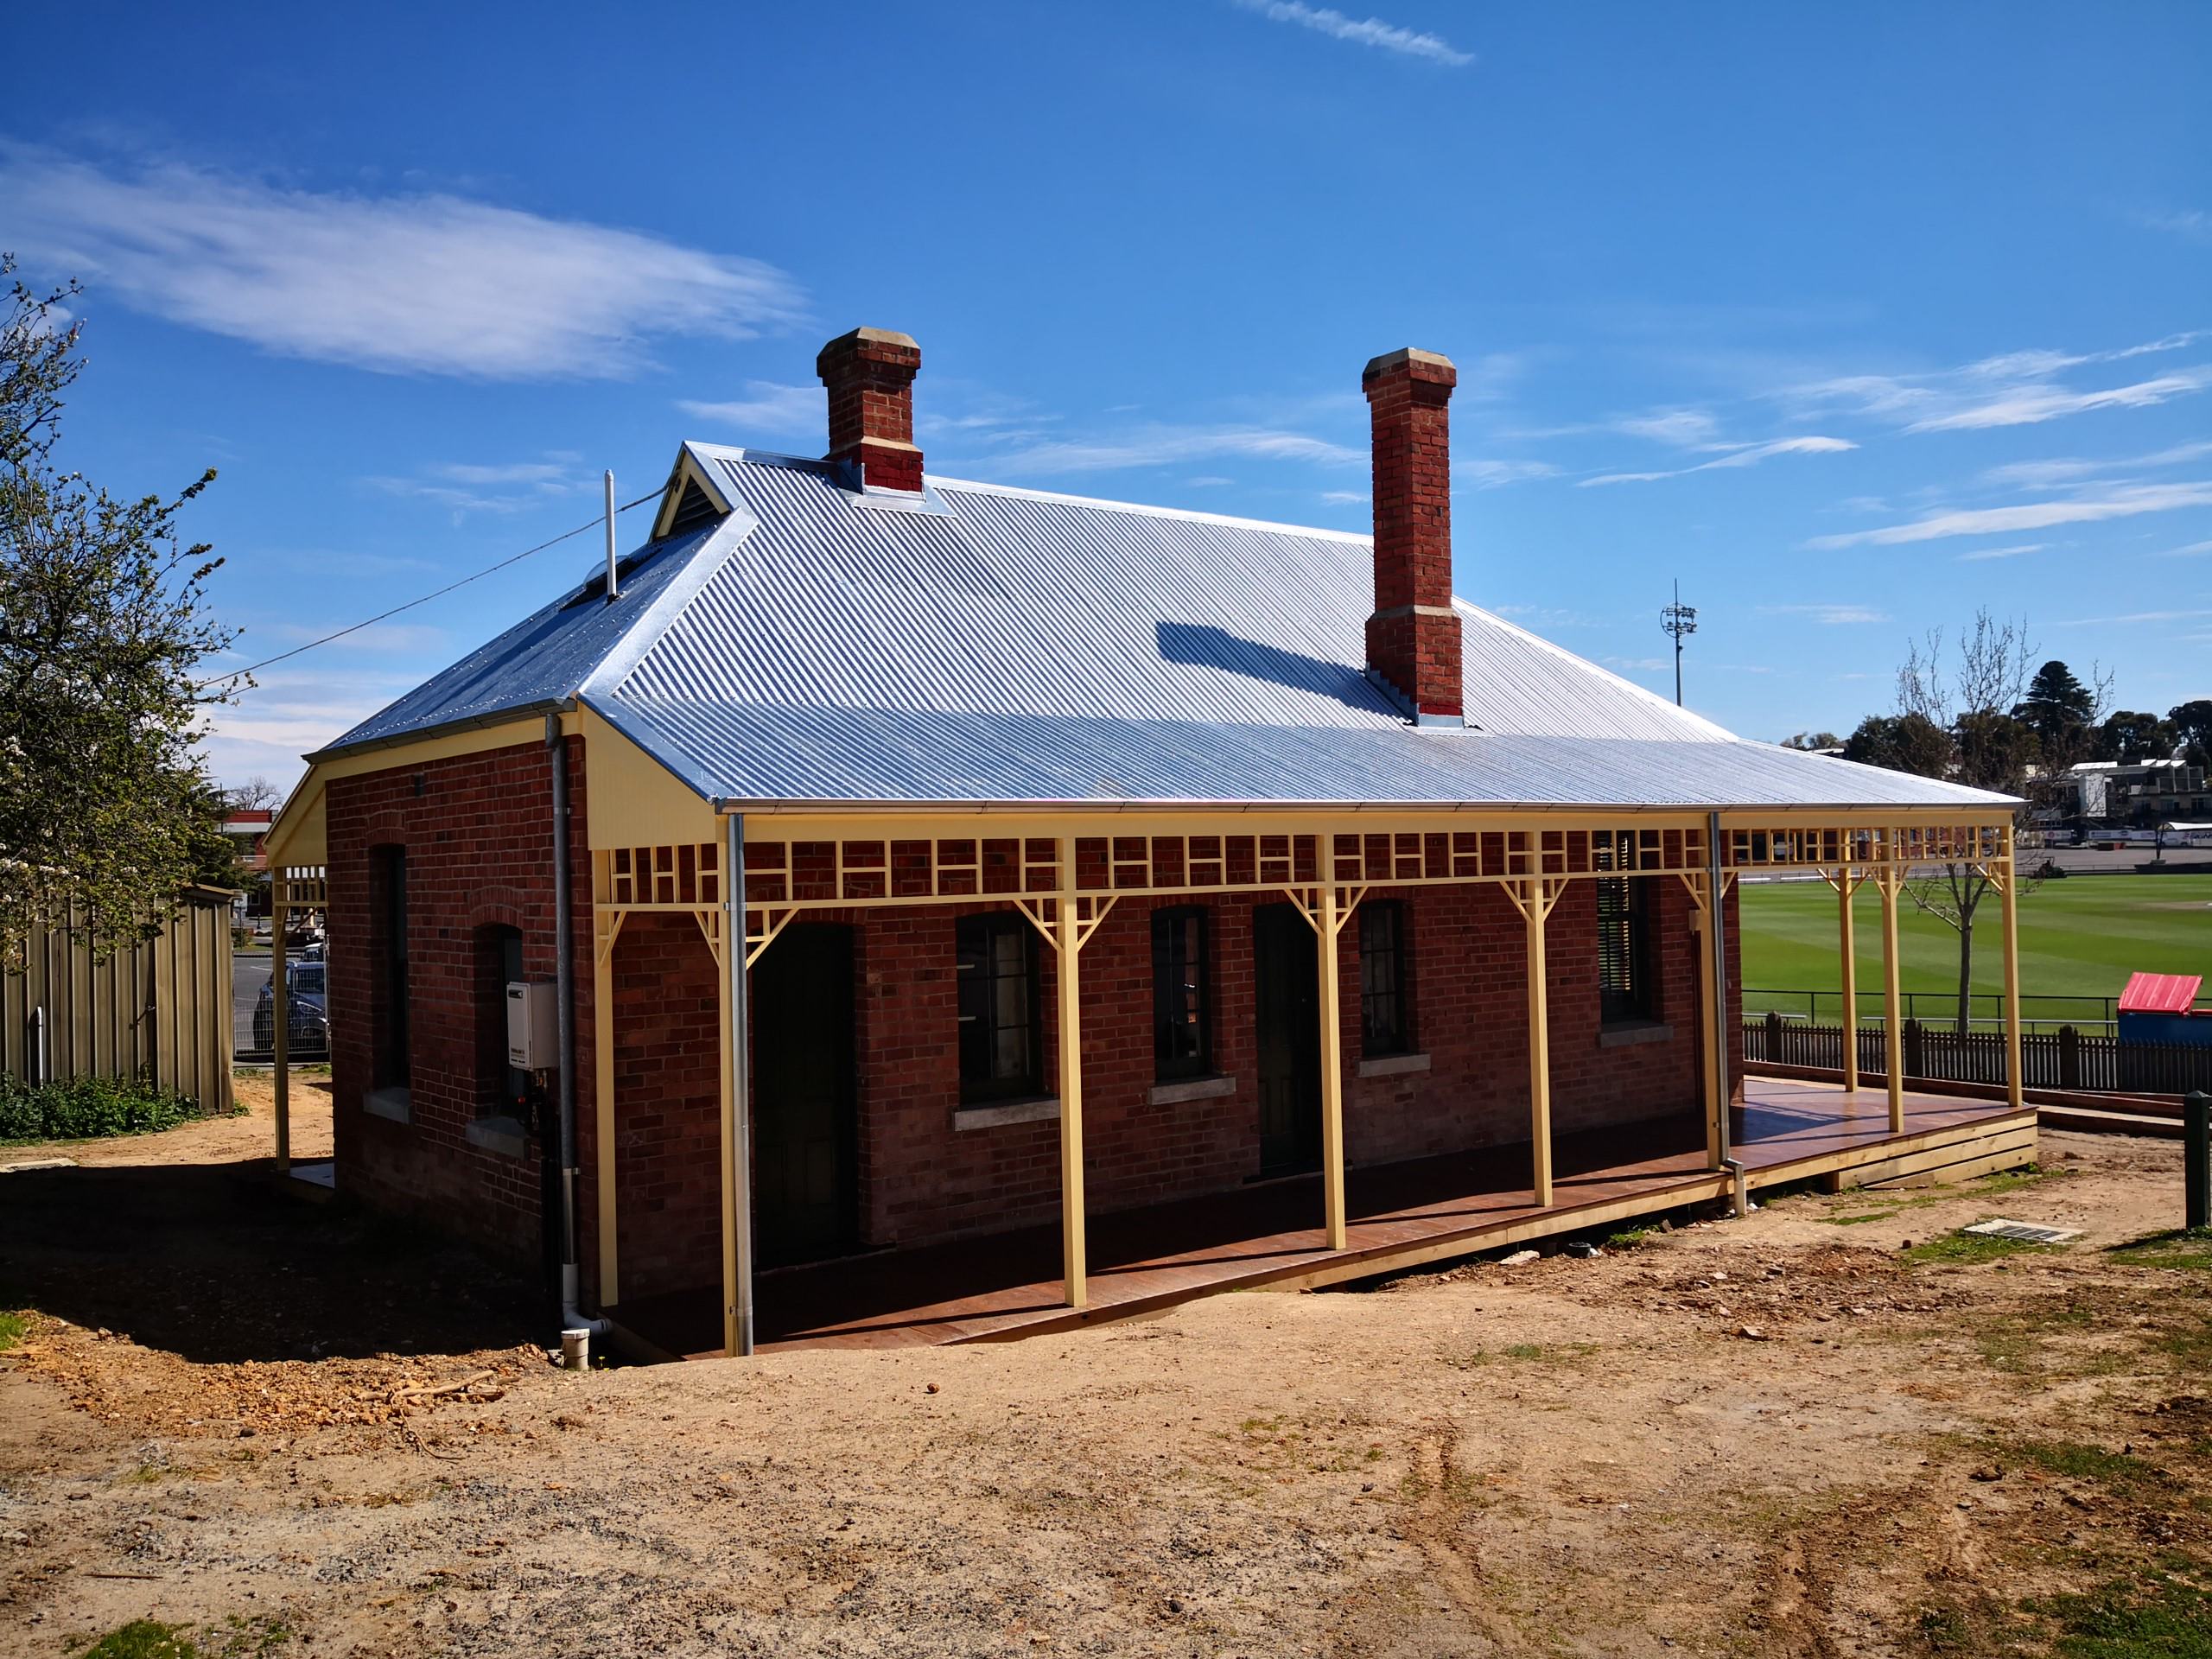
[(512, 558)]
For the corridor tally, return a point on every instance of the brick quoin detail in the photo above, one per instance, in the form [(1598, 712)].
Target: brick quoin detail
[(1413, 639), (870, 374)]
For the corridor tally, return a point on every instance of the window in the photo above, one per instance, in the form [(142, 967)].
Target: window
[(1385, 1014), (500, 1089), (1182, 1010), (1624, 950), (999, 1047), (393, 1063)]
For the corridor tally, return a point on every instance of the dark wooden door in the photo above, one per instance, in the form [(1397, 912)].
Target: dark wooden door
[(806, 1166), (1289, 1030)]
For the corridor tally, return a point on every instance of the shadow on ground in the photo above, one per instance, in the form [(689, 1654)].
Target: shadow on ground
[(216, 1264)]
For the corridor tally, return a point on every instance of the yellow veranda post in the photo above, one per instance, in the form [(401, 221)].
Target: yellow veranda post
[(1846, 889), (1332, 1072), (1074, 1269), (1539, 1057), (1892, 996), (2015, 1091), (280, 1007)]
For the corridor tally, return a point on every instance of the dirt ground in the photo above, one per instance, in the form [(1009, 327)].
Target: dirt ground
[(1787, 1434)]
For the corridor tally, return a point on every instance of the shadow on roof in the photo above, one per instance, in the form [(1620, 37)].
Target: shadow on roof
[(1201, 645)]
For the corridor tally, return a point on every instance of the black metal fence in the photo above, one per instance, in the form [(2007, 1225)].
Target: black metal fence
[(2038, 1011), (2064, 1058)]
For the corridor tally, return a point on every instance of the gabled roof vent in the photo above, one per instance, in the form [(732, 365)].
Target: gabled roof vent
[(692, 496), (693, 508)]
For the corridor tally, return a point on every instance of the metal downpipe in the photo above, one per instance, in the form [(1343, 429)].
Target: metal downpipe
[(565, 943)]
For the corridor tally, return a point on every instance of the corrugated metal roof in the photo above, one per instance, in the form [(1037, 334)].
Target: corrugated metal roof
[(981, 644), (545, 657), (2160, 993)]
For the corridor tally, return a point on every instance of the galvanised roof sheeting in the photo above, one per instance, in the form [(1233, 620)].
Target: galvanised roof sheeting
[(983, 644), (542, 659), (760, 753)]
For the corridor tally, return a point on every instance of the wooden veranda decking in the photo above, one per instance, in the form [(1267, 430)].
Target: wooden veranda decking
[(1007, 1285)]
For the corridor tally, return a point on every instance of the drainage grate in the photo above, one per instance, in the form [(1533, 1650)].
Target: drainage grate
[(2027, 1232)]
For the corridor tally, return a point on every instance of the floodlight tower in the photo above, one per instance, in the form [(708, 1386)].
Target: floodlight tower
[(1680, 620)]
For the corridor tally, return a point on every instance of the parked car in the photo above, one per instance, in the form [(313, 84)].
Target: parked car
[(308, 1029)]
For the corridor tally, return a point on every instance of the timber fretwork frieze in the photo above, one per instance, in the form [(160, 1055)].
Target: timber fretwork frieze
[(821, 869)]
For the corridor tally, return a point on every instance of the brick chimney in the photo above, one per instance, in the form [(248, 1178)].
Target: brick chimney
[(870, 374), (1413, 639)]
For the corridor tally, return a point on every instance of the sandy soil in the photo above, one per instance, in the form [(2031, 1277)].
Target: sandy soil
[(1777, 1435)]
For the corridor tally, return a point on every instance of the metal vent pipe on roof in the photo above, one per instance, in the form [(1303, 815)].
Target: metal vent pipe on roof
[(614, 574)]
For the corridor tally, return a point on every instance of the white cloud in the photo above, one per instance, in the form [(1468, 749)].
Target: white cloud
[(429, 283), (2132, 617), (2065, 469), (767, 407), (2030, 406), (499, 487), (1489, 474), (1215, 481), (2190, 552), (1829, 615), (2019, 388), (1637, 664), (1343, 498), (1161, 445), (1748, 454), (1372, 31), (2193, 224), (1683, 426), (2003, 552), (2124, 501)]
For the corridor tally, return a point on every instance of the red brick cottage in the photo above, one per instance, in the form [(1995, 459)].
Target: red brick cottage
[(1227, 898)]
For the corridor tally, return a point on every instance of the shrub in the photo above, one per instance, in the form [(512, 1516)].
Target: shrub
[(80, 1109)]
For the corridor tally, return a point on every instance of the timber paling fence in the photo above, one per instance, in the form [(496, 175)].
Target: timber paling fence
[(2064, 1058)]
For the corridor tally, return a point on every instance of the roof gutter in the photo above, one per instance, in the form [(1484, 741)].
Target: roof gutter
[(733, 804), (520, 712)]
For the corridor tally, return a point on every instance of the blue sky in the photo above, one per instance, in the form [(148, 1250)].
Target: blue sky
[(1851, 318)]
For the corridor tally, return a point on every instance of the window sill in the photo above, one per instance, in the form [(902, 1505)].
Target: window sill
[(1174, 1094), (1629, 1033), (1393, 1066), (397, 1104), (503, 1136), (1041, 1109)]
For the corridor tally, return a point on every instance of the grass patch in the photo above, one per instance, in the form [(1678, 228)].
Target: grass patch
[(1968, 1249), (2158, 1615), (2185, 1249), (2120, 1471), (2004, 1180), (12, 1327), (143, 1638), (84, 1108), (1628, 1238)]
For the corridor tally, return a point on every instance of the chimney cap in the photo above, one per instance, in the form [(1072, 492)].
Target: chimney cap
[(872, 345), (1422, 366)]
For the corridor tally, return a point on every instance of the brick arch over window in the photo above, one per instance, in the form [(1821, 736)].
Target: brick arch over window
[(498, 907)]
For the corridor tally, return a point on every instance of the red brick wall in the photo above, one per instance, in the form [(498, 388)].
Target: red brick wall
[(478, 838), (668, 1107), (477, 833)]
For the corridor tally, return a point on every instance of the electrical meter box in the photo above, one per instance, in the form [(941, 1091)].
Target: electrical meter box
[(533, 1025)]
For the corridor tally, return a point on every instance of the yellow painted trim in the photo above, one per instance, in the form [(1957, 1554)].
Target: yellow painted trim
[(2014, 1090), (631, 800)]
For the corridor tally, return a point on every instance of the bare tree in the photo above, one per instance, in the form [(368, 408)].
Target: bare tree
[(255, 792), (1970, 692)]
